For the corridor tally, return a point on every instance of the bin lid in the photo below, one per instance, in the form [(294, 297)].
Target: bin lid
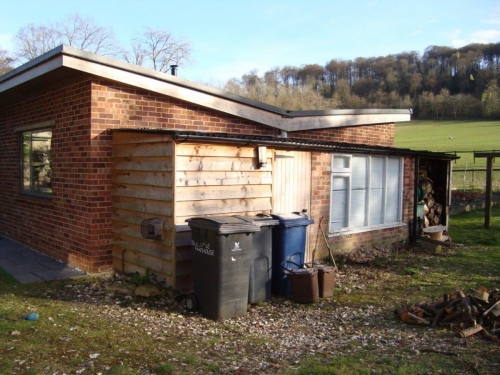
[(262, 220), (293, 219), (223, 224)]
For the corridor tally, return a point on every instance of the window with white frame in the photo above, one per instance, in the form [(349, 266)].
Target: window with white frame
[(36, 162), (366, 192)]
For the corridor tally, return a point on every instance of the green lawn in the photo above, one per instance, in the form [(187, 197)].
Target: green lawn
[(448, 136), (451, 136)]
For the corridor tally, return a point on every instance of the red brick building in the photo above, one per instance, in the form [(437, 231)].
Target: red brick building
[(92, 146)]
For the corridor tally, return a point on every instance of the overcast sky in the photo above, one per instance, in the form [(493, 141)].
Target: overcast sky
[(230, 38)]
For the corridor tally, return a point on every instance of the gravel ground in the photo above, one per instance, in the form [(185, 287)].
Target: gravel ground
[(273, 336)]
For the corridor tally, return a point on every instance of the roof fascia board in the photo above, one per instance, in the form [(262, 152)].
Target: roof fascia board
[(36, 70), (179, 92), (259, 115)]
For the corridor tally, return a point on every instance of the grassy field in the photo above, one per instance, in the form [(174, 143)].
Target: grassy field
[(451, 136), (93, 333)]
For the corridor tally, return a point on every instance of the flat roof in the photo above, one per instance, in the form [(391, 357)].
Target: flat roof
[(65, 61)]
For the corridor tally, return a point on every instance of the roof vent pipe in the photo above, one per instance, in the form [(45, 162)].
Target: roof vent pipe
[(173, 69)]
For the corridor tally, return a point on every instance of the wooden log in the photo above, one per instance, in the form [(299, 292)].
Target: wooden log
[(491, 308), (402, 312), (430, 310), (489, 336), (450, 306), (477, 305), (470, 331), (414, 319), (467, 309), (453, 316), (437, 317)]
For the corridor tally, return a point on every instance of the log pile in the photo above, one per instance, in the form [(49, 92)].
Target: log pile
[(367, 255), (432, 209), (479, 311)]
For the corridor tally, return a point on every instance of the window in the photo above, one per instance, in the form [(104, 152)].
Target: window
[(366, 192), (36, 169)]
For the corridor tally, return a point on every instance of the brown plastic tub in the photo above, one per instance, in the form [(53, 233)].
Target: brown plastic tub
[(304, 283)]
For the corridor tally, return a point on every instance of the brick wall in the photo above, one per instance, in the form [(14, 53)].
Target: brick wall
[(61, 227), (75, 225), (378, 135)]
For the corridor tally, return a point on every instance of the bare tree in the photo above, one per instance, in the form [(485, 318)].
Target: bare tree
[(158, 49), (83, 33), (5, 62), (87, 35), (34, 40)]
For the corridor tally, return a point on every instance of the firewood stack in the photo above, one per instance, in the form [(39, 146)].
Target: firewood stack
[(466, 314), (432, 209)]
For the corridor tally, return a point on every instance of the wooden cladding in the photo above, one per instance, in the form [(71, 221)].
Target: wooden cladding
[(148, 181), (220, 180), (142, 189)]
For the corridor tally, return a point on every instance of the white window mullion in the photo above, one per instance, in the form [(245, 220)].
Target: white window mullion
[(386, 162), (368, 186)]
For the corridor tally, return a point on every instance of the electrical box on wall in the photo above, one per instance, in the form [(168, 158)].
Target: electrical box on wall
[(152, 229)]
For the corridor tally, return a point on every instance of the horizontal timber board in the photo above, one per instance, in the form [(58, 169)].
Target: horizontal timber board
[(218, 150), (128, 268), (136, 217), (147, 206), (128, 243), (146, 261), (146, 178), (134, 231), (139, 191), (222, 206), (192, 193), (208, 178), (158, 164), (142, 149), (209, 163)]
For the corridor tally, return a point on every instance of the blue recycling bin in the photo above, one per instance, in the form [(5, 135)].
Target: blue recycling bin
[(289, 244)]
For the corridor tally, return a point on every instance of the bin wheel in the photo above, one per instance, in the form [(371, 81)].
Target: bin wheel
[(191, 302)]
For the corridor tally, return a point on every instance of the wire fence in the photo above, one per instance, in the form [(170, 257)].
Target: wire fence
[(469, 173)]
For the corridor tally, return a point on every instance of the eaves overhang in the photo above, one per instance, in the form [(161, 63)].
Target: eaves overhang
[(68, 58), (289, 143)]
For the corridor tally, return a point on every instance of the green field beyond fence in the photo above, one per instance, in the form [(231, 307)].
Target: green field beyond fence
[(460, 137)]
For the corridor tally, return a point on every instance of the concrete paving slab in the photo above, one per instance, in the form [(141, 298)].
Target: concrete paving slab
[(58, 274), (26, 278), (4, 263), (30, 266)]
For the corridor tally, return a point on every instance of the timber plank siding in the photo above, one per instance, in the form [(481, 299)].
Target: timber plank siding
[(155, 177), (142, 189)]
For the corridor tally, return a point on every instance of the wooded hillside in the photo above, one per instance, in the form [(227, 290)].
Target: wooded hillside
[(444, 82)]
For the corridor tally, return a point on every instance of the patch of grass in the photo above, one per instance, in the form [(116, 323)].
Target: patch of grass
[(164, 369), (7, 279), (468, 228)]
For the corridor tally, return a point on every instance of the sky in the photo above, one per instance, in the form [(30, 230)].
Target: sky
[(231, 38)]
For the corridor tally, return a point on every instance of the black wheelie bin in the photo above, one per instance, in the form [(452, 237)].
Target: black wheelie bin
[(221, 265), (259, 288)]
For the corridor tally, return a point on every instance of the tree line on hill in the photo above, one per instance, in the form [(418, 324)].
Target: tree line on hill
[(443, 83)]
